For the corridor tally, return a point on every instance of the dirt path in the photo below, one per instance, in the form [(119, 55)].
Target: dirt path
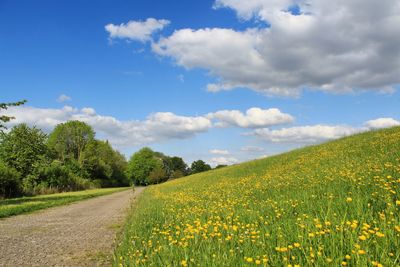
[(79, 234)]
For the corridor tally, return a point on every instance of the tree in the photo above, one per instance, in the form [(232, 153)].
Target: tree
[(199, 166), (68, 140), (22, 147), (4, 118), (142, 164), (178, 167), (100, 161)]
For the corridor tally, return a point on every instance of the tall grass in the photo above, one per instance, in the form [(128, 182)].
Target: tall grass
[(335, 204)]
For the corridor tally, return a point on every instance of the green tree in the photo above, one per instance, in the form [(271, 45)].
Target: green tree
[(68, 140), (101, 162), (22, 147), (142, 164), (199, 166), (178, 167), (5, 118)]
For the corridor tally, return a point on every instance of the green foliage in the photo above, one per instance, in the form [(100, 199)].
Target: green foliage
[(70, 159), (5, 118), (199, 166), (10, 181), (100, 161), (22, 147), (142, 163), (157, 175), (178, 167), (54, 176), (68, 140)]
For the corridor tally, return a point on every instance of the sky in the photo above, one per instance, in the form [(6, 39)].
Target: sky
[(222, 80)]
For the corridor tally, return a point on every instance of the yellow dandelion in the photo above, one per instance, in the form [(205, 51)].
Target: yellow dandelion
[(362, 237)]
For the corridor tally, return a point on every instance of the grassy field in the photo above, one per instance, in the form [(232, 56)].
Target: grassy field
[(9, 207), (335, 204)]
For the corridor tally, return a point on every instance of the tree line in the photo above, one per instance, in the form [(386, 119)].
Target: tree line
[(71, 158)]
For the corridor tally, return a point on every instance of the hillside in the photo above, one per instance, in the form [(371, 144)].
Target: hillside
[(332, 204)]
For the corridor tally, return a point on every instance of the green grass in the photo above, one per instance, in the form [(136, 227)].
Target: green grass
[(334, 204), (15, 206)]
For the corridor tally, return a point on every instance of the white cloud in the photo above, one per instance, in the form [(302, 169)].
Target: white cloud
[(252, 149), (306, 134), (253, 118), (136, 30), (157, 127), (223, 161), (360, 52), (63, 98), (219, 152), (382, 123)]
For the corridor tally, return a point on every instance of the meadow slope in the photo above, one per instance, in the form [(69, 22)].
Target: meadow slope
[(335, 204)]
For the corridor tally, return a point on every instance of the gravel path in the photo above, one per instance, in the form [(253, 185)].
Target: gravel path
[(79, 234)]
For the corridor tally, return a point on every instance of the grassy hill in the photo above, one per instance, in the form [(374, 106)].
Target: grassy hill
[(335, 204)]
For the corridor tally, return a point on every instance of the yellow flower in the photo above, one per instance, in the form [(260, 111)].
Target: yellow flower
[(297, 245), (347, 257), (184, 263), (362, 237), (397, 202), (361, 251), (249, 259), (344, 263), (349, 199), (258, 262), (379, 234)]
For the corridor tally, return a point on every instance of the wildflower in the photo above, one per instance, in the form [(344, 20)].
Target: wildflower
[(349, 199), (249, 259), (361, 251), (362, 237)]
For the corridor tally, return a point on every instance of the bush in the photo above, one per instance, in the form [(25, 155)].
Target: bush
[(10, 181), (54, 177)]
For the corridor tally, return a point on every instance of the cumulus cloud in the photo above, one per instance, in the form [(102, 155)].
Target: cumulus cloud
[(219, 152), (382, 123), (136, 30), (306, 134), (253, 118), (223, 161), (156, 127), (63, 98), (334, 46)]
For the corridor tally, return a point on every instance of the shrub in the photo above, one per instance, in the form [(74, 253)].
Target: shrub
[(54, 177), (10, 181)]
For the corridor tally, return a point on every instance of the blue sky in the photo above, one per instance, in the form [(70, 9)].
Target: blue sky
[(53, 48)]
